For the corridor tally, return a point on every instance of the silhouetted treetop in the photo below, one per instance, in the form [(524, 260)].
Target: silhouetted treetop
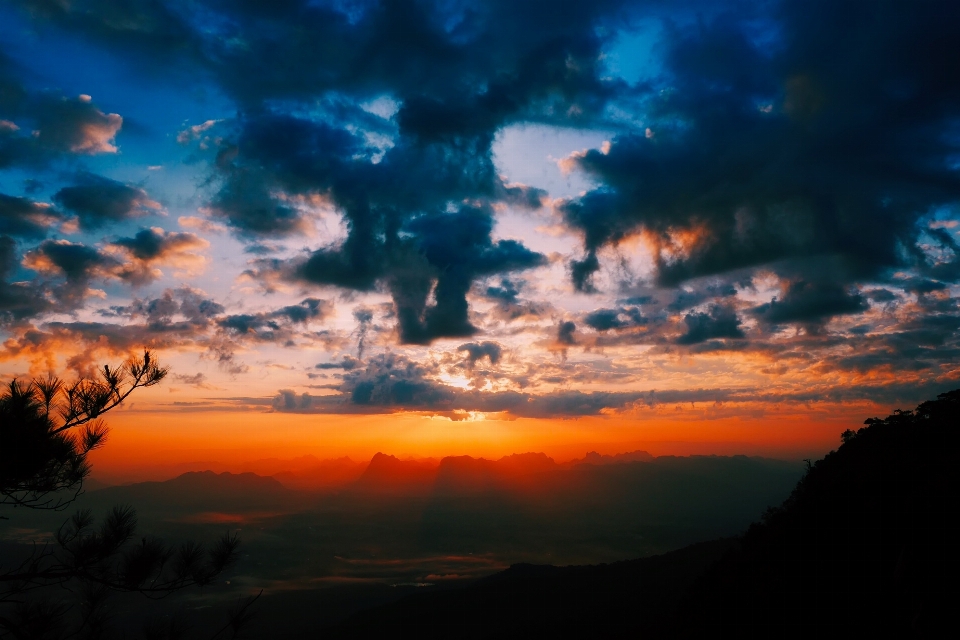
[(47, 428), (865, 543)]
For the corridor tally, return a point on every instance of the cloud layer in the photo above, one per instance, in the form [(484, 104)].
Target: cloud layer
[(766, 209)]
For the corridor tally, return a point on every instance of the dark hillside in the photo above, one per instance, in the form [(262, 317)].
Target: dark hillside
[(198, 490), (387, 474), (623, 599), (865, 542)]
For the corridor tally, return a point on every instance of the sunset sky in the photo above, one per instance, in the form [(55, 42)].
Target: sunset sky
[(436, 227)]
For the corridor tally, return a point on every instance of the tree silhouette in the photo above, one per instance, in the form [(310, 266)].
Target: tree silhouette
[(865, 544), (47, 430)]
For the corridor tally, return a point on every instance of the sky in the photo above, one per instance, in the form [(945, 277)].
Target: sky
[(481, 226)]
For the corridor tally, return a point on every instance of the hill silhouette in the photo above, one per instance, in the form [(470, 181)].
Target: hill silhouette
[(593, 457), (464, 475), (200, 490), (864, 545), (319, 474), (388, 474)]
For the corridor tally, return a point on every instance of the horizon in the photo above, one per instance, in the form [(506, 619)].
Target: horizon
[(272, 466), (142, 442)]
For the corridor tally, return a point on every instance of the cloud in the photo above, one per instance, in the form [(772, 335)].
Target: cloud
[(620, 318), (811, 302), (131, 260), (364, 318), (182, 318), (478, 350), (392, 174), (718, 322), (25, 218), (200, 224), (154, 247), (346, 364), (391, 382), (799, 145), (565, 333), (457, 249), (154, 244), (441, 252), (77, 126), (77, 262), (18, 300), (99, 201), (769, 151), (198, 380), (508, 304), (194, 132), (287, 400), (45, 127), (272, 325), (145, 28)]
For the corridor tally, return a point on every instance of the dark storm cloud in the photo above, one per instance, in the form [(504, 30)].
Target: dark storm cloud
[(921, 286), (77, 262), (507, 291), (267, 325), (477, 350), (364, 318), (153, 244), (442, 252), (99, 201), (811, 302), (880, 295), (346, 364), (24, 218), (153, 247), (565, 333), (719, 322), (457, 249), (508, 304), (393, 380), (620, 318), (73, 125), (192, 306), (36, 129), (693, 294), (8, 256), (134, 264), (257, 49), (399, 234), (12, 93), (828, 136), (456, 74), (18, 300), (150, 27)]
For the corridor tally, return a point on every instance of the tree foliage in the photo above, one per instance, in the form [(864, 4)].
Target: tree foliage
[(48, 427), (864, 545), (47, 430)]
